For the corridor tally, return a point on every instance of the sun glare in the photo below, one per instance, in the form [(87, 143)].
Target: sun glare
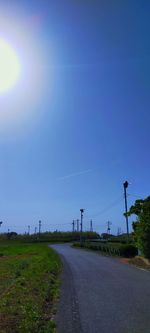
[(9, 66)]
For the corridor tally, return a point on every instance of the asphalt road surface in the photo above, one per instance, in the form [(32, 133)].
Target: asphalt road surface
[(101, 295)]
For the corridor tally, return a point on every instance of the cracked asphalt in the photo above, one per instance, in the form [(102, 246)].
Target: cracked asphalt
[(101, 295)]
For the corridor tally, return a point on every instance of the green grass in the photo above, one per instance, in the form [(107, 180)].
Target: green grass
[(29, 287)]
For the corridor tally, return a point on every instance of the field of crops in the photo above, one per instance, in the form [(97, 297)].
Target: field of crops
[(29, 286)]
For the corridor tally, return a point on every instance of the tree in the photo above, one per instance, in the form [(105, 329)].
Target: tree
[(12, 234), (141, 226)]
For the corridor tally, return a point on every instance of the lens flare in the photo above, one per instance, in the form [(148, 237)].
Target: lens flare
[(9, 66)]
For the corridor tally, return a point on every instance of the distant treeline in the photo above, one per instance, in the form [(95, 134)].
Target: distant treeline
[(56, 236)]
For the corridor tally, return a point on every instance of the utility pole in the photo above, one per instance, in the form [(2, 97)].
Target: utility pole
[(108, 227), (28, 229), (77, 225), (81, 224), (125, 185), (40, 228), (91, 226), (119, 231), (35, 230), (73, 224), (8, 234)]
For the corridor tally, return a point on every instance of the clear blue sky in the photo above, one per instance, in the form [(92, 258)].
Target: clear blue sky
[(78, 124)]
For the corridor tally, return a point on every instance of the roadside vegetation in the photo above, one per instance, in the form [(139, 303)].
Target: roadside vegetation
[(59, 237), (128, 246), (108, 248), (29, 287), (141, 227), (50, 237)]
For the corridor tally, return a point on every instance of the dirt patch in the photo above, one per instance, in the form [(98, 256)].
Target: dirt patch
[(125, 260), (137, 261)]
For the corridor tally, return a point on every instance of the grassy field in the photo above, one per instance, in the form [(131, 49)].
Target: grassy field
[(29, 286)]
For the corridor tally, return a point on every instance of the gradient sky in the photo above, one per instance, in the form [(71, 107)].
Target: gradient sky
[(77, 124)]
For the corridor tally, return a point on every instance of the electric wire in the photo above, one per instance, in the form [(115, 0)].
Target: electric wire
[(107, 208)]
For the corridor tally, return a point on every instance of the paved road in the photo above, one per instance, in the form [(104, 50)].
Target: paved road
[(101, 295)]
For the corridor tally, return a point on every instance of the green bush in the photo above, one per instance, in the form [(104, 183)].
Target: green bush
[(141, 226), (124, 250), (128, 250)]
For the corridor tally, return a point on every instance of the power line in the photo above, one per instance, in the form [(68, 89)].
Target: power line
[(100, 225), (114, 203), (136, 196)]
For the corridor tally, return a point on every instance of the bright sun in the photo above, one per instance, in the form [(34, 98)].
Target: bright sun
[(9, 66)]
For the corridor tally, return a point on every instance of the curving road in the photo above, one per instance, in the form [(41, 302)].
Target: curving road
[(101, 295)]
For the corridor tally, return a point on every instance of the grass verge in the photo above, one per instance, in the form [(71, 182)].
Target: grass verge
[(29, 287)]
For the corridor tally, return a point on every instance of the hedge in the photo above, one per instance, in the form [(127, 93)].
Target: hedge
[(123, 250)]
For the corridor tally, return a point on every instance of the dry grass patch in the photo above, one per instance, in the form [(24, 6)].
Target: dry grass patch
[(137, 261)]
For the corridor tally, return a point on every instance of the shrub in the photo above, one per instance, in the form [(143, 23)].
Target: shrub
[(128, 250), (124, 250), (141, 226)]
